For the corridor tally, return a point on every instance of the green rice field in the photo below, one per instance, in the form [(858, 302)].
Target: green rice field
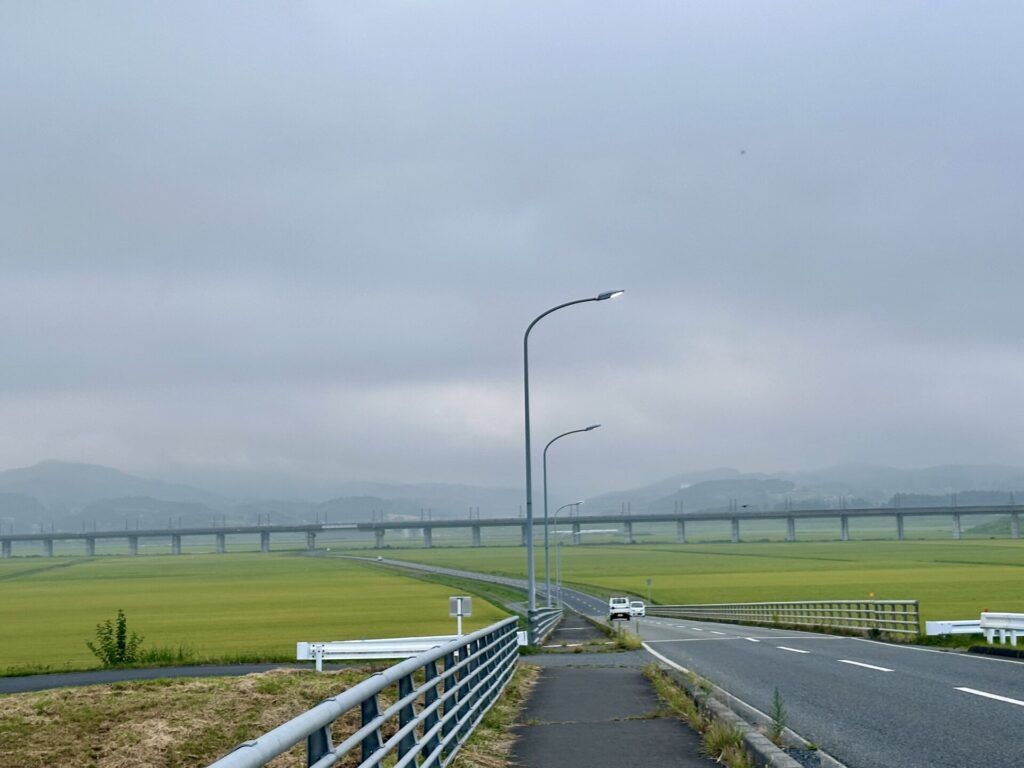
[(951, 579), (222, 606)]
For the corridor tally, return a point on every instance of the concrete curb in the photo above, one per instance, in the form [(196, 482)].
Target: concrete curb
[(736, 712)]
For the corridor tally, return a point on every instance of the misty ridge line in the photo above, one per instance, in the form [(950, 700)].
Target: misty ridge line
[(70, 496)]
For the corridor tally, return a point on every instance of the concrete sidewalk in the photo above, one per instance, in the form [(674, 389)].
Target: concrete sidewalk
[(597, 710)]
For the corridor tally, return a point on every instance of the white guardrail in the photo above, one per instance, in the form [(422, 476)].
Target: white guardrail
[(384, 648), (886, 616), (425, 721), (1006, 624)]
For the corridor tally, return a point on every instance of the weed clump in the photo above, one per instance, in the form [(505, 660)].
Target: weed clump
[(114, 647)]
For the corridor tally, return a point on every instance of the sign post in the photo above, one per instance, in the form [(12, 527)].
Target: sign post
[(459, 606)]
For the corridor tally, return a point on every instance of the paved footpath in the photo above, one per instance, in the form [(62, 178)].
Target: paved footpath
[(597, 710)]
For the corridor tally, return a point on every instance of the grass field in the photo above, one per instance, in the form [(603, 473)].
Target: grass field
[(951, 579), (222, 606)]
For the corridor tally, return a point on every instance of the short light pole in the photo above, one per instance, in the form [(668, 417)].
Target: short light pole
[(547, 561), (531, 579), (558, 563)]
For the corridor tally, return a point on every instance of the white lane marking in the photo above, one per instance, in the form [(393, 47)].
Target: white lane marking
[(696, 629), (716, 632), (862, 664), (1007, 699), (787, 648), (752, 639), (947, 654)]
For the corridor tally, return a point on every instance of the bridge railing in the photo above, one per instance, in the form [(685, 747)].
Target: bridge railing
[(542, 622), (433, 713), (899, 617)]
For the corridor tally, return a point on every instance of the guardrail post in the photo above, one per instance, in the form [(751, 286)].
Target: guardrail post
[(90, 547), (844, 528), (681, 531), (956, 525), (450, 684), (133, 545), (899, 527), (318, 745), (790, 529), (576, 533), (432, 719), (1014, 525), (735, 530), (368, 712), (476, 536), (264, 541), (221, 544), (406, 714), (6, 552)]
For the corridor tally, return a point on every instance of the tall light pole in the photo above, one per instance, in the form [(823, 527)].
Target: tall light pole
[(531, 579), (558, 564), (547, 560)]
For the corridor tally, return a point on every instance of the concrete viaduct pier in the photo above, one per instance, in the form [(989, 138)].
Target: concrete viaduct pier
[(627, 523)]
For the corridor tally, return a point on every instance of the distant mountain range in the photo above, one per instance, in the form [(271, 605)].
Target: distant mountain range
[(70, 496)]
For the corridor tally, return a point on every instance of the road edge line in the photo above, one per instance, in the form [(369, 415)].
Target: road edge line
[(747, 718)]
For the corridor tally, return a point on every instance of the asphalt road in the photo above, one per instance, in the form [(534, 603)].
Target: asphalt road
[(869, 704)]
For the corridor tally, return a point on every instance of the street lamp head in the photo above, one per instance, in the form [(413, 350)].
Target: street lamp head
[(592, 426), (609, 295)]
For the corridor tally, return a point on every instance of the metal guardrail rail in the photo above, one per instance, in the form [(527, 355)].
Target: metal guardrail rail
[(901, 617), (542, 622), (425, 726), (384, 648)]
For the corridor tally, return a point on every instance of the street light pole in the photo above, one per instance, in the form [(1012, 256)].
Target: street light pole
[(558, 561), (547, 563), (531, 579)]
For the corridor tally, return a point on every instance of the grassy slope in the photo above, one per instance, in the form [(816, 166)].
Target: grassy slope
[(952, 579), (221, 605)]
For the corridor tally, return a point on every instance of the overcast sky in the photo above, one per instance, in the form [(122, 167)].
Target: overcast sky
[(305, 238)]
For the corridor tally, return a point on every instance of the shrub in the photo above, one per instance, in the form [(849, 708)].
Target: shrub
[(114, 646)]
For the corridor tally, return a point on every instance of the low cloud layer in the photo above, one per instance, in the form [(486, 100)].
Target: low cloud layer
[(307, 240)]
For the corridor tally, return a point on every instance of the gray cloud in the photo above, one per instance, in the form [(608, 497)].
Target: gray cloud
[(309, 238)]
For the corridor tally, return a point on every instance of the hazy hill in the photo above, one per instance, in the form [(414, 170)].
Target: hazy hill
[(58, 484)]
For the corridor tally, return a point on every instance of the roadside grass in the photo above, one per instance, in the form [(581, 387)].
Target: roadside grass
[(162, 723), (211, 608), (719, 741), (951, 579)]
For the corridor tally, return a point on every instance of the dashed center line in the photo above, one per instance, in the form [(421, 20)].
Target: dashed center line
[(995, 696), (862, 664), (752, 639), (787, 648), (716, 632)]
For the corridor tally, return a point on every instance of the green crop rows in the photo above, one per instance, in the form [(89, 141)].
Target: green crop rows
[(223, 606), (951, 579)]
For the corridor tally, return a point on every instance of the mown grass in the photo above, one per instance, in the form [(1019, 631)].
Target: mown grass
[(951, 579), (236, 607), (165, 723)]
